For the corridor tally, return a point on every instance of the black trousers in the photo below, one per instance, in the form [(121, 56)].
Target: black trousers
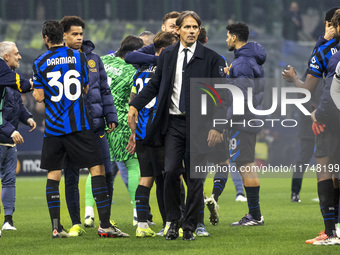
[(177, 149), (305, 155)]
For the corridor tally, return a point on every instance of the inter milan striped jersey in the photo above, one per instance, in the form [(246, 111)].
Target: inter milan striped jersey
[(146, 115), (320, 58), (63, 74)]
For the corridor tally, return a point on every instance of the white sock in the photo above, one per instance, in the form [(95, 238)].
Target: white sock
[(143, 225), (89, 211), (134, 212)]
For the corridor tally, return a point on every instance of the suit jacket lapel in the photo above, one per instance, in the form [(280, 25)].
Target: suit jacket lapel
[(199, 52), (171, 68)]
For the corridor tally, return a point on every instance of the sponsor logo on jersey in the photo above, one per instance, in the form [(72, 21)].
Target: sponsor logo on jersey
[(314, 66)]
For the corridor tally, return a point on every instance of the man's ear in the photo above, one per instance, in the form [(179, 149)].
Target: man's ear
[(64, 36), (6, 57)]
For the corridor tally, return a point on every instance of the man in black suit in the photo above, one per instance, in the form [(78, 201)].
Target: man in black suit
[(171, 125)]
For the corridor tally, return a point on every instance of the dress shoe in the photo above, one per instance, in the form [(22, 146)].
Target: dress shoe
[(172, 233), (188, 235)]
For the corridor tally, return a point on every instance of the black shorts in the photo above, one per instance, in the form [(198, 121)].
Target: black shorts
[(241, 147), (219, 153), (327, 144), (79, 148), (151, 159)]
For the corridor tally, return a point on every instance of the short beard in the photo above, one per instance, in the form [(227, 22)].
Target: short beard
[(46, 45), (231, 48)]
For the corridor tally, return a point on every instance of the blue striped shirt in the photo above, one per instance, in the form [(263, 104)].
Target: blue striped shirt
[(62, 73)]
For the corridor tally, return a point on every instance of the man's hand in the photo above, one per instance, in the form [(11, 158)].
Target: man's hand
[(329, 33), (214, 137), (312, 115), (31, 82), (318, 128), (17, 138), (32, 124), (111, 127), (133, 118), (226, 70), (131, 147), (289, 74)]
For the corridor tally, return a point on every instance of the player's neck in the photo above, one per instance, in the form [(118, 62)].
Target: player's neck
[(50, 45), (240, 45)]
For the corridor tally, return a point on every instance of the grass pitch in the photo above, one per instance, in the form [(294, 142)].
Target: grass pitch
[(287, 225)]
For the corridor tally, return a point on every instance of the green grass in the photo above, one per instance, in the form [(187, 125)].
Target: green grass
[(287, 225)]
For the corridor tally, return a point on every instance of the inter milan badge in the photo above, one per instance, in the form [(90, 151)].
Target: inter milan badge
[(221, 70), (91, 63)]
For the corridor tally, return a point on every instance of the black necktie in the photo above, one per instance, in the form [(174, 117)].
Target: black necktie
[(182, 96)]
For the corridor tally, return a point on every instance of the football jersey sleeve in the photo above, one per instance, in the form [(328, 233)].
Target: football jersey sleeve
[(316, 67), (37, 82)]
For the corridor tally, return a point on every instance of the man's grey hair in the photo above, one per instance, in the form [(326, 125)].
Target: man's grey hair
[(150, 35), (5, 47)]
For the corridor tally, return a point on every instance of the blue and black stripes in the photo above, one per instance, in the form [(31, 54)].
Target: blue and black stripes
[(147, 114), (62, 74), (142, 203), (319, 61), (53, 202), (103, 201)]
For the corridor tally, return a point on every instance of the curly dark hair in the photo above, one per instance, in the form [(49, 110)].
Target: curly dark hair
[(68, 21), (241, 31)]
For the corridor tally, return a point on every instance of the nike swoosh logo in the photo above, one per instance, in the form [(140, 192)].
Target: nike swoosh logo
[(232, 155), (101, 136)]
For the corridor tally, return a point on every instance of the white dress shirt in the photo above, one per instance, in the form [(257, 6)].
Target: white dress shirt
[(176, 93)]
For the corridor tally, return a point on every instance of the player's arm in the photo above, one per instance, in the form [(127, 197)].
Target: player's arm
[(143, 56), (132, 96), (38, 92), (214, 135), (326, 105), (133, 93), (290, 75), (10, 78), (310, 83)]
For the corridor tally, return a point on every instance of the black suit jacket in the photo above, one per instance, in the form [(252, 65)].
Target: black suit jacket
[(205, 63)]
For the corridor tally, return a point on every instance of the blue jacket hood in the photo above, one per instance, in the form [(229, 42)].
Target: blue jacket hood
[(254, 50), (87, 46)]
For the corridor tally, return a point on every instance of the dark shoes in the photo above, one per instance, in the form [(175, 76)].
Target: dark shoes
[(295, 198), (188, 235), (172, 233)]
